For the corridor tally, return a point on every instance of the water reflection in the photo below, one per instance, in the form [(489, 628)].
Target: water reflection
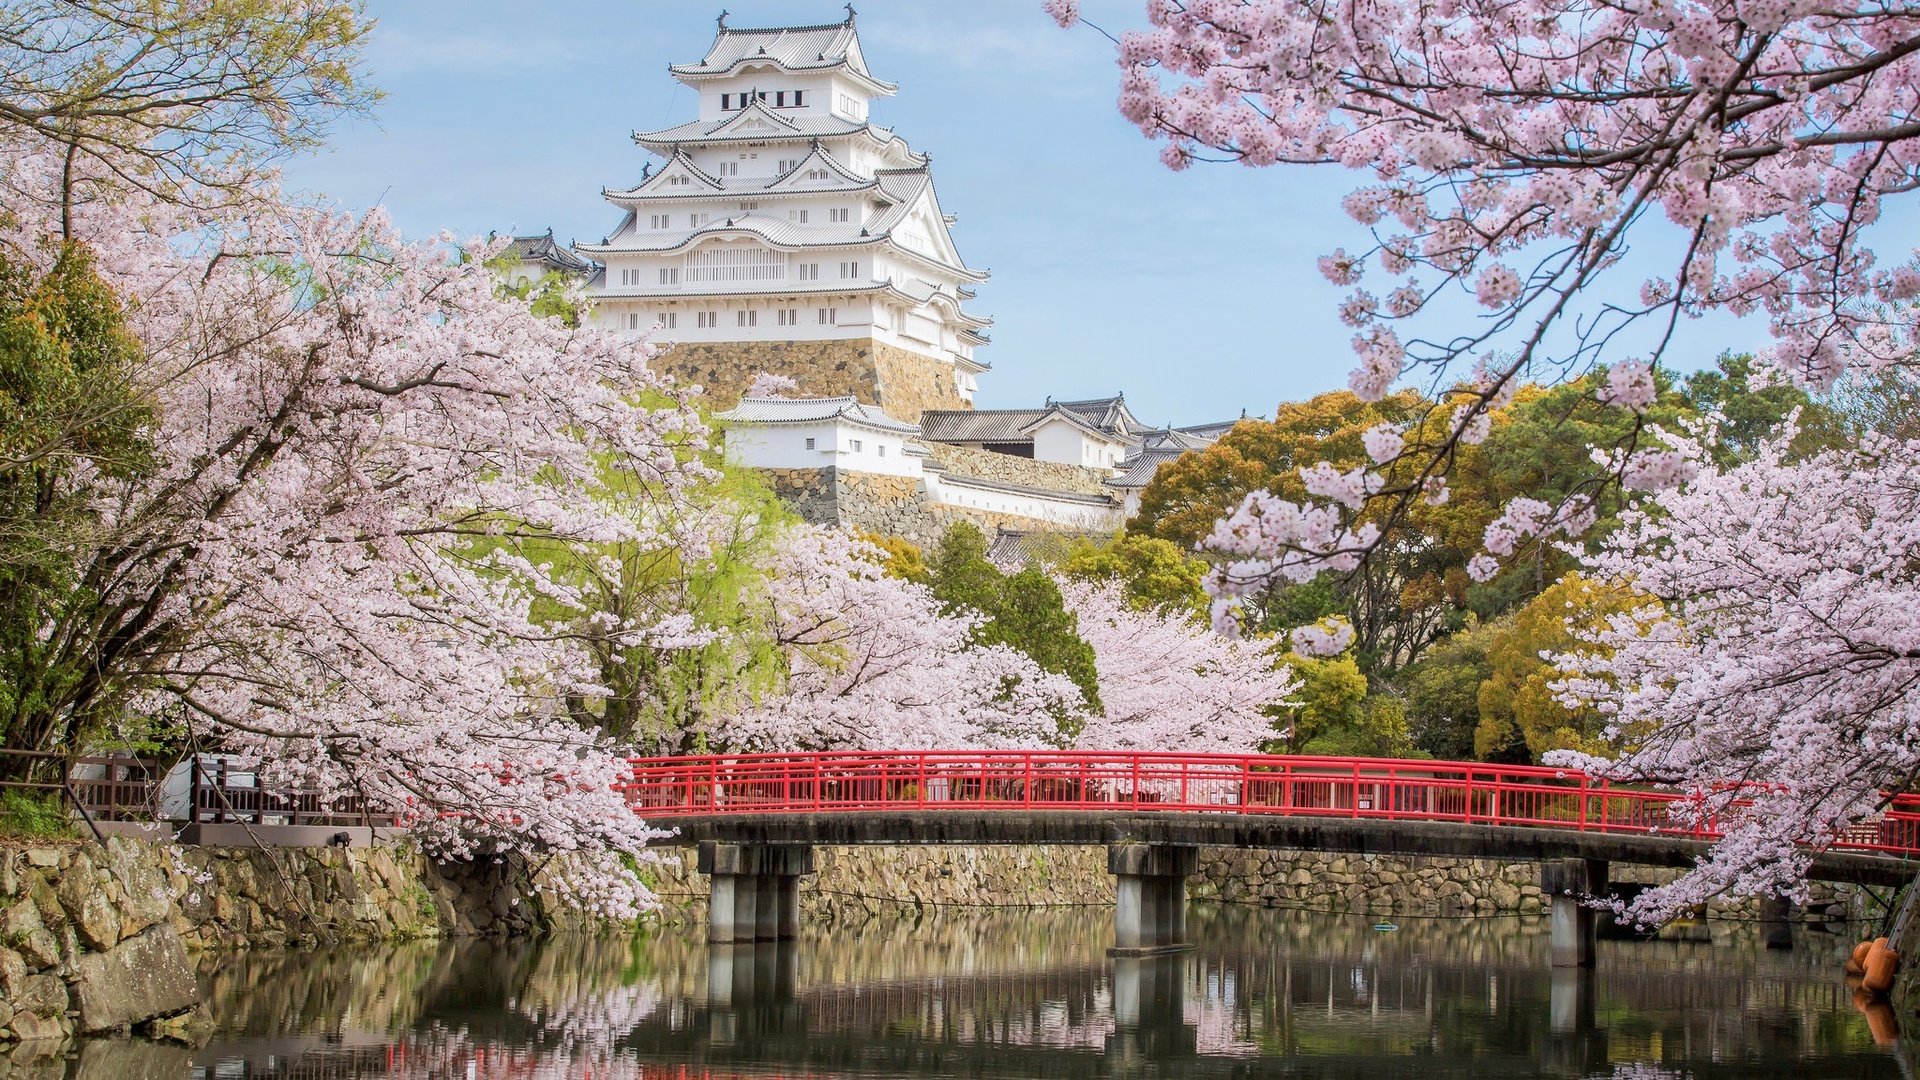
[(1265, 993)]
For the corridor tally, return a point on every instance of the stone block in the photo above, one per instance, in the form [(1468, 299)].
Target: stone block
[(94, 917), (143, 978)]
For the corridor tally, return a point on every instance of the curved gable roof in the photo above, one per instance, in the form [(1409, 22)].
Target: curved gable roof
[(791, 48)]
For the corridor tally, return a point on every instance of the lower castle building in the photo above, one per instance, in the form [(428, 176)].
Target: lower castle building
[(1071, 466)]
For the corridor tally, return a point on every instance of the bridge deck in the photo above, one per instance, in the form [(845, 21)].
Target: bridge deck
[(1464, 809)]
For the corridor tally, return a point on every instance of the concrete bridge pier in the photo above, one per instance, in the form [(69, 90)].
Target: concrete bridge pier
[(754, 890), (1574, 925), (1150, 887)]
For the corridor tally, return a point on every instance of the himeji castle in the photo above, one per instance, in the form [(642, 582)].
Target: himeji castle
[(784, 230)]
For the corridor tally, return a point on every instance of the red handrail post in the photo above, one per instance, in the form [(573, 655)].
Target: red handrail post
[(1583, 801), (1353, 794), (713, 783), (1468, 809)]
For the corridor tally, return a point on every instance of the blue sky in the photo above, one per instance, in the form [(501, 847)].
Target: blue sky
[(1196, 293)]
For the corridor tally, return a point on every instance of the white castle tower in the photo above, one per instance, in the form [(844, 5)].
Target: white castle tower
[(785, 232)]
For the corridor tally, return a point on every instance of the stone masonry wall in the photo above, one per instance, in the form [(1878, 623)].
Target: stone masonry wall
[(95, 939), (904, 383), (1007, 469), (858, 883), (910, 383), (887, 505)]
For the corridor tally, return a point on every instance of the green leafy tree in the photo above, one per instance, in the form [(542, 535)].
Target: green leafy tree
[(1443, 693), (1155, 574), (1329, 706), (184, 98), (1749, 415), (1022, 610), (69, 399)]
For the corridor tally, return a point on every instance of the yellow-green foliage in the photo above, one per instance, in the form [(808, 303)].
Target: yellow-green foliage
[(904, 559), (1156, 574), (1518, 705), (1329, 700)]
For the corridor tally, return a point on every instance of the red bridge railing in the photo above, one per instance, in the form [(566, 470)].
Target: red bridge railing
[(1451, 791)]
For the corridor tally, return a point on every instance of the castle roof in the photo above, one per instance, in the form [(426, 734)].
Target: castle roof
[(1137, 471), (728, 129), (790, 48), (813, 411), (543, 251)]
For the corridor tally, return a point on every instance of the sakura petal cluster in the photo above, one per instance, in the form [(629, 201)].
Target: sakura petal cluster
[(1772, 672)]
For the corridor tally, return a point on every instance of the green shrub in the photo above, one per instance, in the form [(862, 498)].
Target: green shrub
[(35, 815)]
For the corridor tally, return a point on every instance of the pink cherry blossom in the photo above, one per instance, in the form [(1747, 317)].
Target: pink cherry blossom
[(1169, 683), (1776, 656)]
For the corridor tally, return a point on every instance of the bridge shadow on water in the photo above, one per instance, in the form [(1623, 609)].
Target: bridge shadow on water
[(1033, 994)]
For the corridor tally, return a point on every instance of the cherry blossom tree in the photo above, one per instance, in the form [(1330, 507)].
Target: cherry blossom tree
[(1776, 661), (874, 664), (332, 563), (1168, 682), (1514, 152)]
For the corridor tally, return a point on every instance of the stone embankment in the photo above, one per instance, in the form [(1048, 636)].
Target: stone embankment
[(101, 939), (98, 939), (857, 883)]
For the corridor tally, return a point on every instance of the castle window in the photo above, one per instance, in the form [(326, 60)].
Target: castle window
[(746, 318), (809, 271), (633, 321), (797, 215), (855, 444), (659, 221), (799, 98), (669, 320), (838, 213), (786, 165), (817, 174), (669, 275), (809, 443), (829, 316), (728, 168), (780, 99), (850, 269), (880, 448), (786, 316), (707, 320), (630, 276)]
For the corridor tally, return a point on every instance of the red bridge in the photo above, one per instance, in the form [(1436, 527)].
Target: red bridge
[(757, 815)]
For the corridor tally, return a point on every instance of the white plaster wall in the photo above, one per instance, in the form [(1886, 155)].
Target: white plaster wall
[(1061, 442), (784, 446), (1078, 515)]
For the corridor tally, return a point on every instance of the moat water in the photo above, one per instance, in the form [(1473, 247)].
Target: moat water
[(1033, 994)]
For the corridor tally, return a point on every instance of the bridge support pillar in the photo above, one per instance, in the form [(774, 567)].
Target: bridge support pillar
[(1570, 882), (754, 890), (1151, 889)]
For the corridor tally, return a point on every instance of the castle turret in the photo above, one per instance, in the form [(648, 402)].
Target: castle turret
[(783, 231)]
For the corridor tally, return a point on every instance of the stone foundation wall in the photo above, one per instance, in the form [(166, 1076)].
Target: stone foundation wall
[(96, 939), (1007, 469), (857, 883), (910, 383), (887, 505), (852, 884), (903, 383)]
